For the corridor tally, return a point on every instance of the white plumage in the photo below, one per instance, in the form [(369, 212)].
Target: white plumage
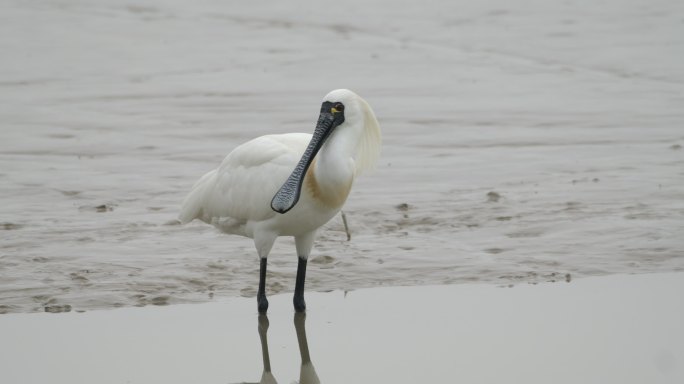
[(240, 190), (237, 196)]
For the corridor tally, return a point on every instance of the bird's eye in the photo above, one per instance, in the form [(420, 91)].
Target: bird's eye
[(339, 107)]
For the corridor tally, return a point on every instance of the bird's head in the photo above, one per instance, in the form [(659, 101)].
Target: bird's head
[(354, 114), (341, 110)]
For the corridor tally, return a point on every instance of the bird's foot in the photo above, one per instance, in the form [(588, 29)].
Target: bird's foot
[(299, 303), (262, 303)]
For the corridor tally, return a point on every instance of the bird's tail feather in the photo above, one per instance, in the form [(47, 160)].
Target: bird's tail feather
[(193, 204)]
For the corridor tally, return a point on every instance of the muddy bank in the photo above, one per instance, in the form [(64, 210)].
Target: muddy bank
[(502, 162)]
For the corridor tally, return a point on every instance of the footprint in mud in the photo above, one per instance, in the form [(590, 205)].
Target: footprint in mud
[(142, 300), (585, 180), (525, 233), (197, 284), (324, 262), (403, 207), (323, 259), (69, 193), (10, 226), (5, 309), (423, 224), (217, 266), (104, 208), (572, 206), (493, 197), (160, 300), (275, 287), (557, 276), (76, 277), (97, 208), (56, 308), (44, 299)]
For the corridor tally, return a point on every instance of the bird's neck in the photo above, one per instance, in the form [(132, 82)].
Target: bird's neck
[(331, 174)]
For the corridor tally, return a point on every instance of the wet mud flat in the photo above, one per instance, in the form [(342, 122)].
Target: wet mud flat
[(620, 328), (503, 163)]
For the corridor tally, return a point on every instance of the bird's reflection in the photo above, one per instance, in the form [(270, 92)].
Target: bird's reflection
[(307, 372), (266, 376)]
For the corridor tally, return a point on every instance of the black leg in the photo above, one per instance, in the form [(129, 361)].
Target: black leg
[(298, 300), (261, 295)]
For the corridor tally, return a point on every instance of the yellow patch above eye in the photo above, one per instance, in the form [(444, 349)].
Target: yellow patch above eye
[(333, 110)]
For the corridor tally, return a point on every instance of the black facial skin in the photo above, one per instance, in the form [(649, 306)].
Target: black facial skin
[(288, 195), (338, 117)]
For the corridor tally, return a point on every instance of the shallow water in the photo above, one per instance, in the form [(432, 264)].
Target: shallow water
[(610, 329), (536, 143)]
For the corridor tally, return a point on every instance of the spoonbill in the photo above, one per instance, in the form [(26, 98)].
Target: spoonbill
[(289, 184)]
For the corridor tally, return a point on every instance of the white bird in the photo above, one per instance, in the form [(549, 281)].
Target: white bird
[(289, 184)]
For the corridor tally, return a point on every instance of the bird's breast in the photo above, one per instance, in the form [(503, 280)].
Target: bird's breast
[(329, 192)]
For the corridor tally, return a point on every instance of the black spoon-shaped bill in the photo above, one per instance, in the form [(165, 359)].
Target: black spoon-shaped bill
[(288, 195)]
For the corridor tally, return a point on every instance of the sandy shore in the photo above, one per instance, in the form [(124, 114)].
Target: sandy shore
[(616, 329)]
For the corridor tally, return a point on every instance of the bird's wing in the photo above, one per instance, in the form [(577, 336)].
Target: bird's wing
[(244, 184)]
